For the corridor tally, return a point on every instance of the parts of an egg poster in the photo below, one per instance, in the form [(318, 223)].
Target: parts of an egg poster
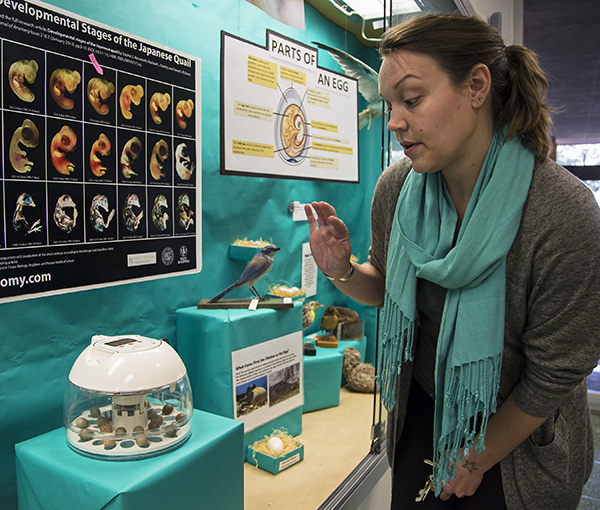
[(284, 116), (101, 162), (267, 380)]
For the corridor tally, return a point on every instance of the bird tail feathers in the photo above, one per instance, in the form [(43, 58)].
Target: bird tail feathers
[(222, 293)]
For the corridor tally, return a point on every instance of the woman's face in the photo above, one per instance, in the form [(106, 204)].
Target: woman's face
[(435, 121)]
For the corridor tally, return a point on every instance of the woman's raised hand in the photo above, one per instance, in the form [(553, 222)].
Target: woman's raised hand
[(329, 239)]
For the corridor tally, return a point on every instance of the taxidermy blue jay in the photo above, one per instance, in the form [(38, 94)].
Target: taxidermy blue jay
[(259, 266), (368, 82)]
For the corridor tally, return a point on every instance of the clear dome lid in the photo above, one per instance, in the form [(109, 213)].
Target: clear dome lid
[(127, 397)]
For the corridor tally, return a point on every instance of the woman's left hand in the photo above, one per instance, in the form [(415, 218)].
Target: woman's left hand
[(467, 480)]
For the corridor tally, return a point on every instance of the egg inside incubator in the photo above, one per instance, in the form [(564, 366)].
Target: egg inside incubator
[(127, 397)]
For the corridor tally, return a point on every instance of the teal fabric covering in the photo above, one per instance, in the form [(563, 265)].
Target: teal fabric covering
[(51, 476), (40, 338), (206, 339), (360, 345), (322, 379)]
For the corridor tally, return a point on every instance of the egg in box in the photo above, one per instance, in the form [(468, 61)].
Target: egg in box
[(127, 397), (276, 452)]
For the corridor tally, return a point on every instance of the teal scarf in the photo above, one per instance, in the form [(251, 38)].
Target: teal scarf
[(470, 342)]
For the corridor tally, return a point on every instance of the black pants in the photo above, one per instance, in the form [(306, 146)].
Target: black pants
[(411, 473)]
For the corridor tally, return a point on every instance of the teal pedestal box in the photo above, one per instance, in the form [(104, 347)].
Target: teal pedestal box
[(275, 465), (322, 379), (359, 345), (51, 476), (206, 339)]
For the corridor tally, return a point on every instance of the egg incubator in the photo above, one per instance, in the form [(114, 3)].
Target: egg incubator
[(127, 397)]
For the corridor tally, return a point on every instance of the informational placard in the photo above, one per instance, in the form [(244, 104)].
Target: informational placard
[(310, 271), (101, 171), (284, 116), (267, 380)]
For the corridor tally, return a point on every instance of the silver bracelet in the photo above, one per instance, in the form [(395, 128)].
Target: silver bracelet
[(344, 278)]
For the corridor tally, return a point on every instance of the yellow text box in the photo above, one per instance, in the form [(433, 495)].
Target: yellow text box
[(318, 98), (244, 148), (322, 162), (325, 126), (262, 72), (253, 111), (292, 75), (333, 139), (331, 148)]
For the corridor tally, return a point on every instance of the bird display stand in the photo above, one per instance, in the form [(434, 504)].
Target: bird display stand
[(247, 303)]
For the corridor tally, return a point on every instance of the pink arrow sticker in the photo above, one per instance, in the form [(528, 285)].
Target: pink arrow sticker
[(95, 63)]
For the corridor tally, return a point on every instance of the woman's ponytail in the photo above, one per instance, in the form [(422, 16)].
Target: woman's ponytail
[(524, 107)]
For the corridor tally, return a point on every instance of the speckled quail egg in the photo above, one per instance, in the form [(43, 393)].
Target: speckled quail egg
[(81, 422), (85, 434), (142, 441), (106, 427), (109, 444)]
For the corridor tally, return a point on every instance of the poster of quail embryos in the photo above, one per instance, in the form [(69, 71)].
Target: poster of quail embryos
[(284, 116), (100, 169)]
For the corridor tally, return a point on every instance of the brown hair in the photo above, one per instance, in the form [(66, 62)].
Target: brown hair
[(458, 43)]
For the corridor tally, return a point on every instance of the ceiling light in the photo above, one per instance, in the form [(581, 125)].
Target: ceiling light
[(373, 9)]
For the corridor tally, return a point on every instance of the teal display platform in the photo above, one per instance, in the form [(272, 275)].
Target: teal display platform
[(359, 345), (205, 340), (322, 379), (323, 373), (51, 476)]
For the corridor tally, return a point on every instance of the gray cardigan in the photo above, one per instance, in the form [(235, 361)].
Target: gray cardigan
[(552, 332)]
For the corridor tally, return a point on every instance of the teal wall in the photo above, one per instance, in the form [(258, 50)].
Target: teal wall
[(40, 338)]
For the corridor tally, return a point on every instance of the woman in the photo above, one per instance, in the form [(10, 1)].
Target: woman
[(484, 255)]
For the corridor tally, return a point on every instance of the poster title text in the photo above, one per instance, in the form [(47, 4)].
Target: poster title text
[(100, 35)]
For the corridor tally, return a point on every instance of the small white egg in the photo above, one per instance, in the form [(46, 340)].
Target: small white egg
[(275, 445)]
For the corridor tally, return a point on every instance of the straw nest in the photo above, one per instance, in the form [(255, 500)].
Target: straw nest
[(260, 243), (283, 289), (289, 443)]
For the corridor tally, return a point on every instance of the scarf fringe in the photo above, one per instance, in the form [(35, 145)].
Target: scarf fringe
[(396, 340), (472, 393)]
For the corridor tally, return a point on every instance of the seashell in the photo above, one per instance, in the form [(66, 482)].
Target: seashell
[(95, 412), (167, 409), (81, 422)]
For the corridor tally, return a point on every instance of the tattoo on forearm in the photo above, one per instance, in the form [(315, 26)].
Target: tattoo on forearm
[(470, 466)]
